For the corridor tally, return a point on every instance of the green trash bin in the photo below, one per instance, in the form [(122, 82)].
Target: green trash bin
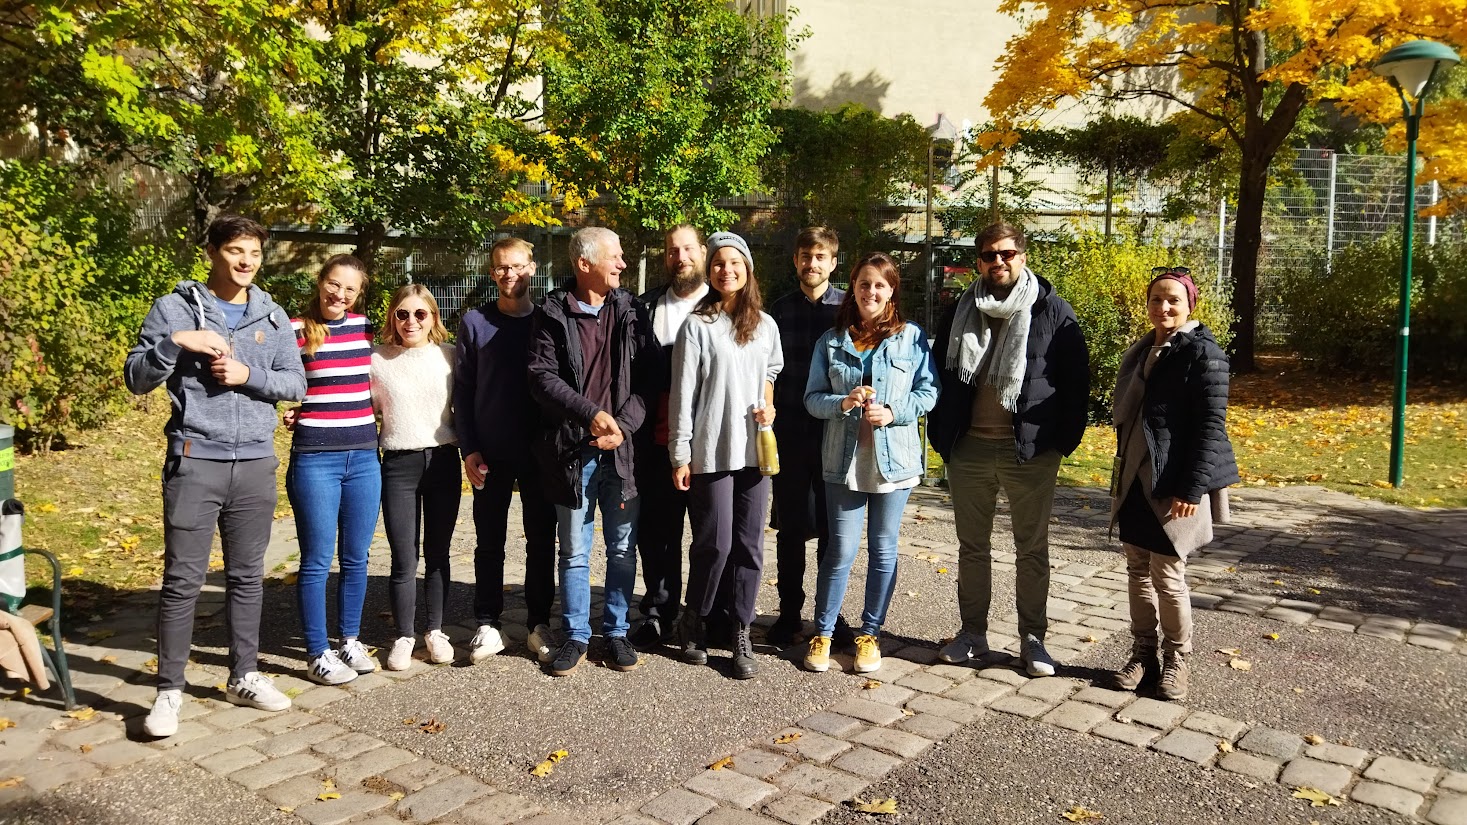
[(7, 462)]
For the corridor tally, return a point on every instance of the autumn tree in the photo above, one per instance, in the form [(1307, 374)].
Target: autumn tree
[(1238, 73)]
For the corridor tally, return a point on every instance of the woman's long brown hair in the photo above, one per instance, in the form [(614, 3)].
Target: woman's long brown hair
[(748, 306), (313, 323), (849, 315)]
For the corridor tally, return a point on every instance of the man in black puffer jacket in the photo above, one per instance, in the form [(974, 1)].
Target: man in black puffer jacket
[(1015, 378)]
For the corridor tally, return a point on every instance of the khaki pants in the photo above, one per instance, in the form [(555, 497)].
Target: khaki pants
[(979, 468), (1157, 584)]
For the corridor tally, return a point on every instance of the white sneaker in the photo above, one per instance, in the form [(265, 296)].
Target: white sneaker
[(486, 643), (354, 655), (541, 643), (328, 669), (440, 650), (963, 647), (162, 720), (401, 657), (255, 690)]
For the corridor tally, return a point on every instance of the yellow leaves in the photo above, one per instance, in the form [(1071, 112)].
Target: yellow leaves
[(432, 726), (1080, 813), (870, 684), (544, 768), (1224, 746), (1231, 651), (75, 571), (1316, 797), (6, 723), (1240, 664), (82, 714), (1272, 637), (109, 659), (44, 507), (396, 796), (725, 762), (942, 569), (787, 738), (328, 790), (883, 806), (11, 782), (1314, 739), (86, 748)]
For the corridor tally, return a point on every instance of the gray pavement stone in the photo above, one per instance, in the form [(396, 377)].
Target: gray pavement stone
[(119, 753), (1390, 797), (298, 740), (1412, 776), (226, 763), (1105, 697), (351, 805), (273, 771), (886, 694), (1249, 765), (1431, 643), (1004, 675), (236, 717), (979, 692), (277, 723), (295, 791), (822, 783), (441, 798), (1448, 809), (1050, 690), (917, 654), (631, 819), (960, 712), (832, 724), (953, 673), (1076, 716), (1453, 781), (929, 725), (1190, 745), (760, 764), (319, 697), (893, 668), (1338, 754), (1288, 616), (679, 807), (1278, 744), (1021, 706), (797, 809), (1312, 773), (1214, 725), (1379, 631), (867, 763), (368, 682), (218, 742), (876, 713), (1150, 712), (731, 787), (728, 816), (414, 776), (499, 809), (346, 745), (1133, 735), (905, 745), (375, 762), (925, 682), (811, 745), (58, 773), (90, 735)]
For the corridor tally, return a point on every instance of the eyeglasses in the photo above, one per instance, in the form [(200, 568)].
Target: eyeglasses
[(994, 254), (421, 314), (1170, 270), (508, 268)]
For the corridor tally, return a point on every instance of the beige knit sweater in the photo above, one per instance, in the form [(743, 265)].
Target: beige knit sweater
[(413, 389)]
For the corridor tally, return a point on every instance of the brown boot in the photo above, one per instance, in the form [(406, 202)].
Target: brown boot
[(1173, 685), (1141, 669)]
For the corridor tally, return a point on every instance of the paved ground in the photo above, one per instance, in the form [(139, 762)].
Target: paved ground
[(1348, 613)]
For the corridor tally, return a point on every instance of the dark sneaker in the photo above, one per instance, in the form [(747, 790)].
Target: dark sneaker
[(744, 666), (784, 630), (1037, 661), (570, 655), (647, 635), (690, 638), (620, 655), (844, 638), (1142, 668), (1173, 686)]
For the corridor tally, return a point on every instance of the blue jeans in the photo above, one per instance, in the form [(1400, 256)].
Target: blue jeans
[(335, 495), (847, 509), (577, 531)]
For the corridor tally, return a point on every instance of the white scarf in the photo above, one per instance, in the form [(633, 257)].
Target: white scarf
[(973, 343)]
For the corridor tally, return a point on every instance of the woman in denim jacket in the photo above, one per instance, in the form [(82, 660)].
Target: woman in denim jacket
[(871, 378)]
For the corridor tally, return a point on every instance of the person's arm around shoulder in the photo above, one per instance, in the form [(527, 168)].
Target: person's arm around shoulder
[(925, 386)]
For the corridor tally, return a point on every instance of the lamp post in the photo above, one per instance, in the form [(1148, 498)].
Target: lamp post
[(1411, 68)]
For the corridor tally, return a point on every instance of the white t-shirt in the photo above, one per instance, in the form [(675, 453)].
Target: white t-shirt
[(672, 311)]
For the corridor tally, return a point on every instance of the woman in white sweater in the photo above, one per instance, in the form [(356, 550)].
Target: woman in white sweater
[(412, 386), (724, 364)]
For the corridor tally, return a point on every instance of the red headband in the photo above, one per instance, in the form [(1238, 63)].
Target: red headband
[(1182, 278)]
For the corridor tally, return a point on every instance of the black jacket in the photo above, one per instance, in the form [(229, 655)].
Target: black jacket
[(556, 384), (1054, 400), (651, 458), (1184, 417)]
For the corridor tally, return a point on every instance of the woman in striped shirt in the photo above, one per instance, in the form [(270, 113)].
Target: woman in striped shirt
[(335, 479)]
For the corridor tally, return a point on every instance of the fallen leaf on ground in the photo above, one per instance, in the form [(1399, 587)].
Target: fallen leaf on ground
[(1313, 590), (286, 809), (82, 714), (1225, 746), (1272, 637), (1316, 797), (913, 594), (1330, 551), (327, 796), (1298, 690), (151, 666), (1080, 813), (411, 720), (328, 784), (5, 723), (1314, 739), (86, 749), (11, 782), (725, 762), (396, 795), (870, 684), (99, 635), (1231, 651), (544, 768), (787, 738), (1240, 664), (109, 659), (942, 569), (1278, 583), (882, 806), (1443, 583), (291, 693), (1091, 638), (908, 712), (432, 726)]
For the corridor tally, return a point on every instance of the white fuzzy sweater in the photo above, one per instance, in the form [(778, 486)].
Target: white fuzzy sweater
[(413, 389)]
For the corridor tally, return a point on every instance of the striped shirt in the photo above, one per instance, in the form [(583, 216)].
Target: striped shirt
[(337, 413)]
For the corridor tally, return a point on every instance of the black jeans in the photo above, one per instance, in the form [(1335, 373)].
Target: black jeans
[(799, 506), (660, 540), (728, 511), (491, 526), (420, 497)]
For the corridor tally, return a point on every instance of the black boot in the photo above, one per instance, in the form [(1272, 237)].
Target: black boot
[(744, 666), (690, 638)]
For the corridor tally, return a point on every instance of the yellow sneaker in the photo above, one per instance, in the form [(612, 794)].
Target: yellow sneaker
[(868, 654), (818, 657)]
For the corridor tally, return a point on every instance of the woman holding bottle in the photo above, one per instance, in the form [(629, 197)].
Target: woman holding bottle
[(871, 378), (725, 361)]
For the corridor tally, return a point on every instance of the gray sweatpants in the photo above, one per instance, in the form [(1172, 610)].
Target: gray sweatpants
[(237, 497)]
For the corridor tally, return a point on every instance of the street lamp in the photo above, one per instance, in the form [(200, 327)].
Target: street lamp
[(1411, 68)]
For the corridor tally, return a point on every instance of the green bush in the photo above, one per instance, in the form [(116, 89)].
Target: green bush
[(1106, 284), (1344, 316), (73, 290)]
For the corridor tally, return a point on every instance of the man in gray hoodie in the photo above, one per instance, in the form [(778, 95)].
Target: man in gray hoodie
[(227, 354)]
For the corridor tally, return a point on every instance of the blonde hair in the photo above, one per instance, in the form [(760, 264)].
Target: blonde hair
[(313, 323), (513, 244), (436, 335)]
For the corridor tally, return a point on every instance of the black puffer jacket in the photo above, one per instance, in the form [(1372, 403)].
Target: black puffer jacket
[(1055, 397), (1184, 416)]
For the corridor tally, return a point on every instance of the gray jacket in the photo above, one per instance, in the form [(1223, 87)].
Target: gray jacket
[(209, 419)]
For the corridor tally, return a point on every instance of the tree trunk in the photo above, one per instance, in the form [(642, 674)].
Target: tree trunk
[(204, 209), (370, 239), (1247, 243)]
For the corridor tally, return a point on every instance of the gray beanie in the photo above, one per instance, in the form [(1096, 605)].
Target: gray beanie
[(719, 240)]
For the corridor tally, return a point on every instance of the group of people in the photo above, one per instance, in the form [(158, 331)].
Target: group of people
[(648, 409)]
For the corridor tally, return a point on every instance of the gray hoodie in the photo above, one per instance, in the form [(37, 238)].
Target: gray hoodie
[(211, 420)]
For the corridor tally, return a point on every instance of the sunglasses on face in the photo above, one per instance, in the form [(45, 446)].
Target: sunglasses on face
[(1168, 270), (994, 254), (421, 314)]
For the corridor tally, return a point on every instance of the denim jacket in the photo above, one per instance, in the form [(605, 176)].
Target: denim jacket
[(905, 379)]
